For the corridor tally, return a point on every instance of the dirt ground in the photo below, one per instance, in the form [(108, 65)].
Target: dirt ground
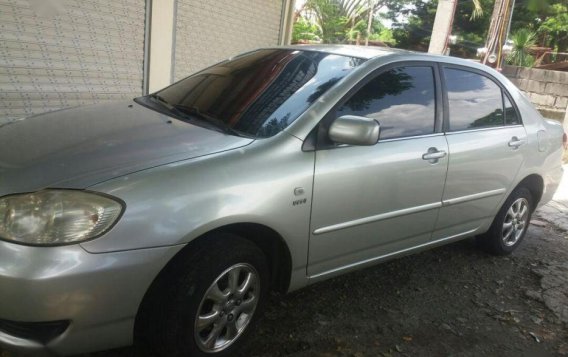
[(450, 301)]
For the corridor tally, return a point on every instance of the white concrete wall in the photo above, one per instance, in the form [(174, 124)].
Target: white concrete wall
[(161, 44)]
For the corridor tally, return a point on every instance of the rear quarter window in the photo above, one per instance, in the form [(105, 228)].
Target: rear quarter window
[(511, 115)]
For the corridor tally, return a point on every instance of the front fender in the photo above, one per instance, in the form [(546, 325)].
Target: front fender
[(176, 203)]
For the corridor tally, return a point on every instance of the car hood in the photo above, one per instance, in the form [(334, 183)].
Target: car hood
[(79, 147)]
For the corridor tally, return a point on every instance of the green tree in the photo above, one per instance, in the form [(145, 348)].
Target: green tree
[(343, 20), (547, 18), (471, 30), (555, 27), (334, 17), (412, 25), (414, 30), (304, 30), (385, 36)]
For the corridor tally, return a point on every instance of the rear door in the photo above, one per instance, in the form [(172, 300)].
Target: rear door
[(369, 201), (486, 140)]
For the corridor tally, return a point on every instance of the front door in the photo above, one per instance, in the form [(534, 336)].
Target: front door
[(369, 201)]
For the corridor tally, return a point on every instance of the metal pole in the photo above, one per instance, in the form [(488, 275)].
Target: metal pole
[(510, 20)]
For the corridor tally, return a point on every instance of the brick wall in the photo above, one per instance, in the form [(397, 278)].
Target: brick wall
[(547, 90)]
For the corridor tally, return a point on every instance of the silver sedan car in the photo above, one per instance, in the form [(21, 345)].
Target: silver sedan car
[(166, 220)]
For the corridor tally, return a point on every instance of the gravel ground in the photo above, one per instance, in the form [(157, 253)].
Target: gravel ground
[(450, 301)]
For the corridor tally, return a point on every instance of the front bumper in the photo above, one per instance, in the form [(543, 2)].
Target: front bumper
[(97, 294)]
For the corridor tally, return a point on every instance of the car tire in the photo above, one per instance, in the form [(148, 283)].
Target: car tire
[(207, 300), (510, 225)]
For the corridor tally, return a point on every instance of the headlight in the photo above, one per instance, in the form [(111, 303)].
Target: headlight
[(55, 217)]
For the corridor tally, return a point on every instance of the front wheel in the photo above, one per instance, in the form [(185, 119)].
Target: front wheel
[(510, 225), (207, 301), (227, 308)]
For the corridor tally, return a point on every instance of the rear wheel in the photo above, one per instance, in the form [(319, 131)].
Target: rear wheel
[(207, 301), (510, 225)]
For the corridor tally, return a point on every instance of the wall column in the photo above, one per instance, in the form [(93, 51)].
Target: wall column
[(162, 22), (287, 22), (565, 123)]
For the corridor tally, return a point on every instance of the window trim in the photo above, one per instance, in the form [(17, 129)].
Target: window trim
[(504, 92), (317, 139), (484, 129)]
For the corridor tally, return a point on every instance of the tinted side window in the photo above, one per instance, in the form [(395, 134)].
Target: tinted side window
[(402, 100), (511, 116), (475, 101)]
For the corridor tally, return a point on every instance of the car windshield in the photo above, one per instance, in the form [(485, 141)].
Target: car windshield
[(257, 94)]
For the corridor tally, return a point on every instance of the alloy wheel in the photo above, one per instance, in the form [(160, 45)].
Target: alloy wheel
[(516, 222), (227, 308)]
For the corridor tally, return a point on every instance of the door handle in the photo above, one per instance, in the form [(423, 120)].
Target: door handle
[(516, 142), (433, 155)]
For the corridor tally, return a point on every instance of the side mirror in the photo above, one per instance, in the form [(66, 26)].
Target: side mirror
[(354, 130)]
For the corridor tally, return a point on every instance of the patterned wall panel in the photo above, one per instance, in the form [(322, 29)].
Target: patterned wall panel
[(62, 53), (209, 31)]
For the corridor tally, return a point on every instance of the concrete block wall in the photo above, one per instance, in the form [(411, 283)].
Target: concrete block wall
[(547, 90)]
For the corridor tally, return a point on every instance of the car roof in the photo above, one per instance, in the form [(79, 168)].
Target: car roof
[(376, 53), (366, 52)]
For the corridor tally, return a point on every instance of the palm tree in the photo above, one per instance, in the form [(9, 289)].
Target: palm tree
[(336, 18), (477, 9), (523, 40)]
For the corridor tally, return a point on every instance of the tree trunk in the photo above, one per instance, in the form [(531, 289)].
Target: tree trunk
[(369, 23), (442, 26)]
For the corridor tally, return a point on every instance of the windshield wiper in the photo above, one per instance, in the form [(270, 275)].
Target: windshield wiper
[(164, 103), (189, 113)]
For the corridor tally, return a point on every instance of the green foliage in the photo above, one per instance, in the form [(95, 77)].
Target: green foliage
[(304, 30), (548, 18), (523, 40), (385, 35), (536, 6), (343, 20), (555, 27), (557, 21), (470, 25), (414, 33), (357, 30), (334, 17), (339, 21), (471, 30)]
